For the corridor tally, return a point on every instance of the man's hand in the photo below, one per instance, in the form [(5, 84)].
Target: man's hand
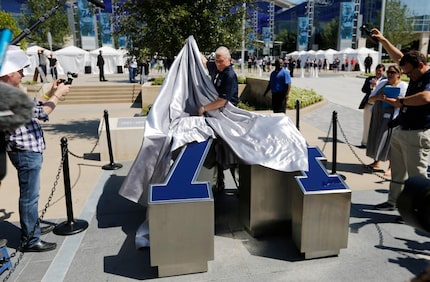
[(201, 111), (377, 35), (62, 90), (395, 102)]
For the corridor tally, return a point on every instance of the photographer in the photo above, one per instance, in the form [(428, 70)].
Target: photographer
[(25, 146), (410, 141)]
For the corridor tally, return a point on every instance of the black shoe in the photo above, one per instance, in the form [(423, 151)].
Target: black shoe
[(386, 206), (40, 246), (46, 229), (105, 80), (361, 146), (399, 220)]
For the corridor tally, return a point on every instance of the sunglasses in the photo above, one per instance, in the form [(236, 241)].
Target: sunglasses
[(391, 72)]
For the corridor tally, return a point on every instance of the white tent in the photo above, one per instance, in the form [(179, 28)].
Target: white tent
[(72, 59), (320, 54), (362, 54), (311, 54), (348, 53), (34, 60), (111, 56), (330, 54)]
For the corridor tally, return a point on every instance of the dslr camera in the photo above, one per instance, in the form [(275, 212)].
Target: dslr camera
[(69, 78)]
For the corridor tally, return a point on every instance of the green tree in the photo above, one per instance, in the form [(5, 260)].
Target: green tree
[(289, 40), (163, 26), (329, 36), (7, 21), (397, 25), (57, 23)]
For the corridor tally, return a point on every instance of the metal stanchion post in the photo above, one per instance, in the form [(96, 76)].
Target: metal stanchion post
[(71, 226), (334, 122), (298, 115), (112, 165), (334, 162)]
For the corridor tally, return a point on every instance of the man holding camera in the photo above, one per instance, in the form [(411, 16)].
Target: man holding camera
[(410, 141), (25, 146)]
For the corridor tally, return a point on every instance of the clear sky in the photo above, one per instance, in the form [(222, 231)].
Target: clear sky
[(420, 7)]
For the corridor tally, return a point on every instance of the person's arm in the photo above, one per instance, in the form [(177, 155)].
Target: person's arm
[(204, 60), (366, 86), (394, 53), (288, 90), (218, 103), (267, 89), (418, 99), (51, 99)]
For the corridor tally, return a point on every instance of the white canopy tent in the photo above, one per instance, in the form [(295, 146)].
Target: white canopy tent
[(362, 54), (348, 53), (111, 56), (72, 59), (330, 54)]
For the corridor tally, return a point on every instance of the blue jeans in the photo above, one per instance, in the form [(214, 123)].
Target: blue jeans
[(131, 74), (28, 165)]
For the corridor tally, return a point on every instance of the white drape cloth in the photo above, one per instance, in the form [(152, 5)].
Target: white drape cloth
[(270, 141)]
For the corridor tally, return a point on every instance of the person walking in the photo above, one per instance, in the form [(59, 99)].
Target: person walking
[(25, 146), (280, 85), (410, 140), (369, 84), (101, 65)]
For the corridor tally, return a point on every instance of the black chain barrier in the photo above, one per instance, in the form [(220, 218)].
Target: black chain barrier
[(69, 227), (51, 195), (366, 167)]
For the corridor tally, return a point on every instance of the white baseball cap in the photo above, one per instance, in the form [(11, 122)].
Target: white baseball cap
[(14, 60)]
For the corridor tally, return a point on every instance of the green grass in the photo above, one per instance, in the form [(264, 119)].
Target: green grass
[(306, 97)]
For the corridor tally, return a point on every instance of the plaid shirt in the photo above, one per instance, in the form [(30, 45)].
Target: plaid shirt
[(29, 137)]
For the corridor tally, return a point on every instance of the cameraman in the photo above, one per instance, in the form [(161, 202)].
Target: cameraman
[(25, 146)]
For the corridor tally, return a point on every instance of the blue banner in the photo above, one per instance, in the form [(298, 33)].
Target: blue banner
[(122, 41), (266, 34), (86, 24), (303, 33), (106, 29), (347, 20)]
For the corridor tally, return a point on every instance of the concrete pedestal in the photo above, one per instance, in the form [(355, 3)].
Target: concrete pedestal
[(181, 215), (126, 137), (320, 211), (181, 236), (265, 198)]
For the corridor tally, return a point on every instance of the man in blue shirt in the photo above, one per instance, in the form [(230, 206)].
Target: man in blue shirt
[(225, 81), (280, 84)]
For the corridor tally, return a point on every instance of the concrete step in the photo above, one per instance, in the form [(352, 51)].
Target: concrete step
[(98, 94)]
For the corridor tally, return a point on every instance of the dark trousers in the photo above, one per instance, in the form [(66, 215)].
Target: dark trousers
[(279, 102), (101, 73)]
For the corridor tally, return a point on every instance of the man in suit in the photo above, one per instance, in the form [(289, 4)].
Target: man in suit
[(101, 65)]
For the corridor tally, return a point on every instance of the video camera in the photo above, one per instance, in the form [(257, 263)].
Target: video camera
[(367, 32), (69, 78)]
